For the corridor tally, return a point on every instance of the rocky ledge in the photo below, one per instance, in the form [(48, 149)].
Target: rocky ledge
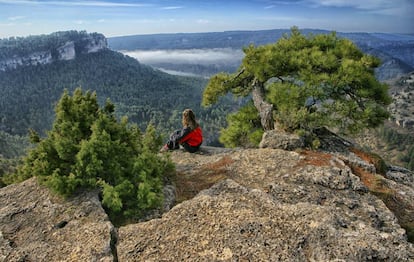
[(262, 204)]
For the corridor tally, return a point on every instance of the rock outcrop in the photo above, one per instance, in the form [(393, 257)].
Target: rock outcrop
[(89, 43), (37, 226), (232, 205), (281, 140)]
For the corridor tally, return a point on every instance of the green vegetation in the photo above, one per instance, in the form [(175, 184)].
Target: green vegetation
[(403, 143), (28, 93), (7, 166), (243, 128), (11, 148), (88, 148), (303, 83)]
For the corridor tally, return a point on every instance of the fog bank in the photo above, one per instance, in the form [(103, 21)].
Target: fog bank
[(188, 56)]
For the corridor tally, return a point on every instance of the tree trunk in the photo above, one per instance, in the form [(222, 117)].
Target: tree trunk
[(265, 109)]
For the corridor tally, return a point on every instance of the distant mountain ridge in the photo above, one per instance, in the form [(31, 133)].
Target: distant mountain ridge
[(396, 51), (45, 49)]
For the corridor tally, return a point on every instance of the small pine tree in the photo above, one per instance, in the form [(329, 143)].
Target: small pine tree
[(88, 148)]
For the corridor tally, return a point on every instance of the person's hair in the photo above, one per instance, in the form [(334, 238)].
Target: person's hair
[(189, 119)]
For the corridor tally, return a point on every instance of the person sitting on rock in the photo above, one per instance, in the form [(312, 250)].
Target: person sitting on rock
[(189, 137)]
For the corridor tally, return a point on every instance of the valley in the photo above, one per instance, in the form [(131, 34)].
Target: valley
[(206, 54)]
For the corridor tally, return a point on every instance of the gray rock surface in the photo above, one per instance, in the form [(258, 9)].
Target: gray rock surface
[(272, 205), (281, 140), (37, 226)]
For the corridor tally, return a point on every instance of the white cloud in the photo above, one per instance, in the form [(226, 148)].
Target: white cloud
[(203, 21), (171, 7), (365, 4), (73, 3), (7, 24), (14, 18), (395, 7)]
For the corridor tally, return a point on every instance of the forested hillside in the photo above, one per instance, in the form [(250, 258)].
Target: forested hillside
[(28, 94)]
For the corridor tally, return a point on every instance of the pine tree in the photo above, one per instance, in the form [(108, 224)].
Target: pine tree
[(307, 82), (89, 148)]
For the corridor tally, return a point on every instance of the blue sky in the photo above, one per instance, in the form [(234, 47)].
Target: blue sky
[(128, 17)]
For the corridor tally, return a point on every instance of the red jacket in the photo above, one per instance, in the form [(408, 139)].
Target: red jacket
[(192, 137)]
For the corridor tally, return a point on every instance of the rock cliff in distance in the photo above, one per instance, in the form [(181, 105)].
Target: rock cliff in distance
[(49, 48)]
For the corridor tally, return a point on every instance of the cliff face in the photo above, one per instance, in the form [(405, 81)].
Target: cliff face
[(264, 204), (67, 51)]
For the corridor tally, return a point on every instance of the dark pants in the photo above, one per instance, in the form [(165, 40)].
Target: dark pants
[(173, 143), (191, 149)]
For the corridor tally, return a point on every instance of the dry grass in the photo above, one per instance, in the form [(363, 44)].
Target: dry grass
[(191, 183), (371, 158), (315, 158)]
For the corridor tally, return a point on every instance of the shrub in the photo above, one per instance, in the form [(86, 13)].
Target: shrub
[(88, 148)]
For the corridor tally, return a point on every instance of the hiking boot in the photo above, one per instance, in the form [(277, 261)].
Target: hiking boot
[(164, 148)]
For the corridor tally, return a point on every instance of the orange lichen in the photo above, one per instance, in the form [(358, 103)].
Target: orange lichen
[(371, 158), (220, 164), (372, 181), (315, 158)]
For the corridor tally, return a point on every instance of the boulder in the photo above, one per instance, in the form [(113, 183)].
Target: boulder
[(38, 226), (277, 139)]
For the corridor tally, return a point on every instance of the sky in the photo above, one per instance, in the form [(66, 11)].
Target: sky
[(129, 17)]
